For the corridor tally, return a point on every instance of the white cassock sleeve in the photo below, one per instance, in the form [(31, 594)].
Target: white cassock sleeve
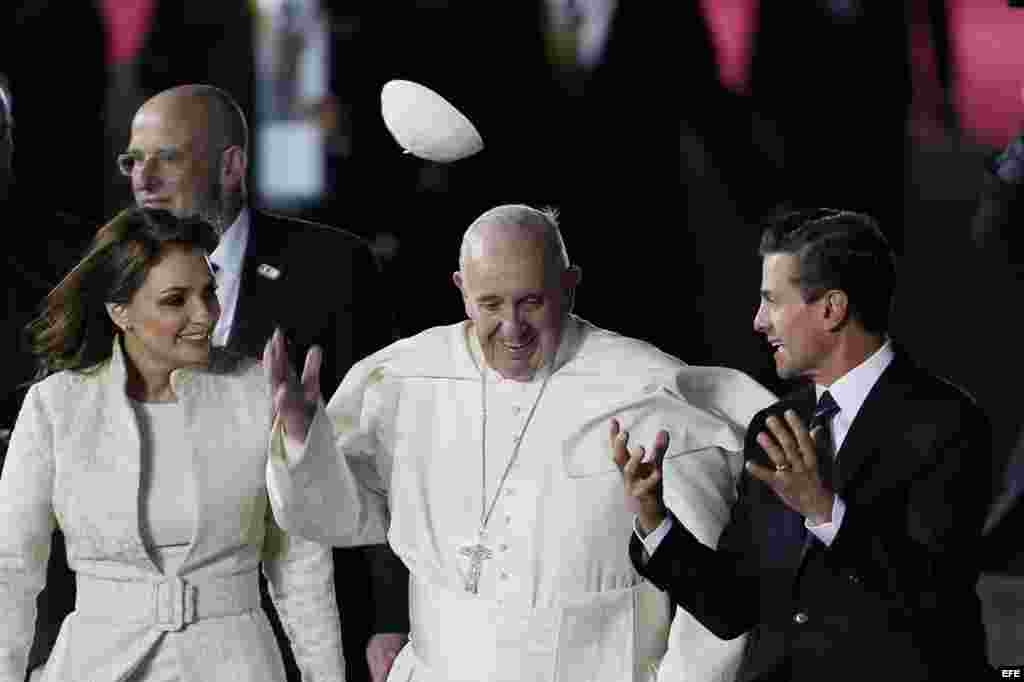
[(314, 490)]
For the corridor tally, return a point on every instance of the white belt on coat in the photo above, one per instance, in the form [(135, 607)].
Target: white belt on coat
[(169, 604), (612, 635)]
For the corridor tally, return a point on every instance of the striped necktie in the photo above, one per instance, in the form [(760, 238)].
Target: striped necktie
[(828, 466)]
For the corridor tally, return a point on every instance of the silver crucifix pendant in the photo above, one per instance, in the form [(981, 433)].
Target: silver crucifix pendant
[(477, 554)]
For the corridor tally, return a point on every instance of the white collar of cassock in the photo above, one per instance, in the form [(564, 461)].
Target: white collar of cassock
[(571, 333)]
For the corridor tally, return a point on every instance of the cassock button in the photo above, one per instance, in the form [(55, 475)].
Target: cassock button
[(509, 492), (800, 618), (504, 575), (503, 547), (516, 409)]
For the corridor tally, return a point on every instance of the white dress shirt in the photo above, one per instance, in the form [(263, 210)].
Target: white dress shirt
[(849, 391), (228, 257)]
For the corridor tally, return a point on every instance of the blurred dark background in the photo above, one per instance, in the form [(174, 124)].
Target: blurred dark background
[(662, 137)]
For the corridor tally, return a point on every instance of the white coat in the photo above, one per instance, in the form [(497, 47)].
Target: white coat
[(74, 461)]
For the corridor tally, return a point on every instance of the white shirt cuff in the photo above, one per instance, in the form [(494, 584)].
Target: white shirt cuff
[(654, 538), (826, 532)]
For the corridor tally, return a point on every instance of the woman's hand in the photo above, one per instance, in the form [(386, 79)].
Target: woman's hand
[(295, 401)]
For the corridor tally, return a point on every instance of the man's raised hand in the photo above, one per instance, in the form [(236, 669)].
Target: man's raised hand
[(795, 478), (642, 476)]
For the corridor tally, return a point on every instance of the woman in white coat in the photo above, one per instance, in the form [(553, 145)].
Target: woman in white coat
[(149, 450)]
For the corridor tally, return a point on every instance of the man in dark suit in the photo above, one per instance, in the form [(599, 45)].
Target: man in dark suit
[(852, 549), (188, 153), (998, 231)]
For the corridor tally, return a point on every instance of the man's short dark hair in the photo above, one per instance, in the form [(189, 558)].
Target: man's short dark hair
[(838, 250)]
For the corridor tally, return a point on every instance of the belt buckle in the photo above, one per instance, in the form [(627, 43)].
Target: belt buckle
[(174, 604)]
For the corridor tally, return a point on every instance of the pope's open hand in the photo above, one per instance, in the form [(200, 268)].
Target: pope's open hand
[(794, 478), (295, 401), (642, 476)]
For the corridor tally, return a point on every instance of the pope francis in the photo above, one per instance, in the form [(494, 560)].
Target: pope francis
[(479, 451)]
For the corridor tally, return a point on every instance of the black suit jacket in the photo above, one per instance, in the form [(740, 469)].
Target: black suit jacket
[(997, 231), (894, 594), (322, 285)]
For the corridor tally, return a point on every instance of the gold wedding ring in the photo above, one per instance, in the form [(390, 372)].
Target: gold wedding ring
[(782, 467)]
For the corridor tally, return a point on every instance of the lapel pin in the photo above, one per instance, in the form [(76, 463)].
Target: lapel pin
[(268, 271)]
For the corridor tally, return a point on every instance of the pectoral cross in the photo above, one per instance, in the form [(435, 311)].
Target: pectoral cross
[(477, 554)]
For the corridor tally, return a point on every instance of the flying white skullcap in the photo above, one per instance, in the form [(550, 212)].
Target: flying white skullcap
[(425, 124)]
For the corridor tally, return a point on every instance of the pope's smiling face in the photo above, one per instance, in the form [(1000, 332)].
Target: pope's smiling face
[(518, 298)]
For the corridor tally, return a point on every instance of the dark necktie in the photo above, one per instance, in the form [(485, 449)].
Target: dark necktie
[(828, 467)]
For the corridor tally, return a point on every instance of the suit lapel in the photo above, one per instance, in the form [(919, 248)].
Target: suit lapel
[(259, 288), (874, 425)]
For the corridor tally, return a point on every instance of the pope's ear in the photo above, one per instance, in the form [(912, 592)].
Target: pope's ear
[(467, 305), (118, 315)]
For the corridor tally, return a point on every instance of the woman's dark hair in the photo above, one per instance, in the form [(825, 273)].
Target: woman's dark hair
[(74, 330), (838, 250)]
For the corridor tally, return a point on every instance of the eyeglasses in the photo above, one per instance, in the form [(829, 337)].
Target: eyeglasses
[(127, 161)]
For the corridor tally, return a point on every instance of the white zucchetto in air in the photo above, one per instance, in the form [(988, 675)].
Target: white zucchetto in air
[(426, 125)]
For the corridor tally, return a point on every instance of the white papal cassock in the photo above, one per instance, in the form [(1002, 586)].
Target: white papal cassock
[(556, 597)]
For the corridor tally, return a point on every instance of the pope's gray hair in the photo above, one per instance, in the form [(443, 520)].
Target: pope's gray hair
[(545, 220)]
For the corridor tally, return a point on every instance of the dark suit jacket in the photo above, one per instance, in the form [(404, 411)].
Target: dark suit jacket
[(996, 225), (894, 594), (321, 285), (998, 231), (328, 292)]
